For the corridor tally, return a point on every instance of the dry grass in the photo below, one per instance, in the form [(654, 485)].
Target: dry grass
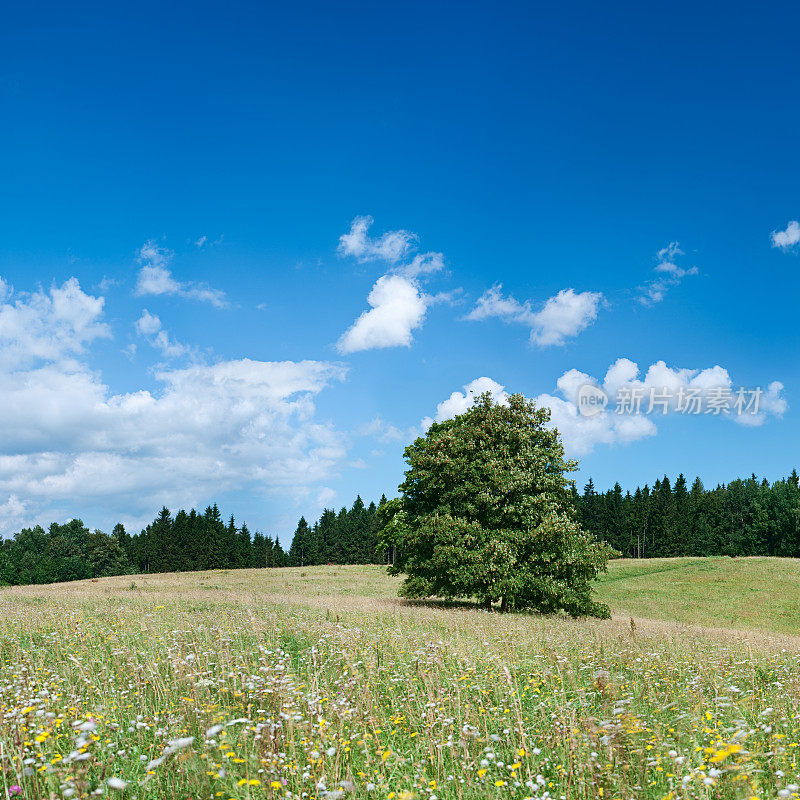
[(326, 685)]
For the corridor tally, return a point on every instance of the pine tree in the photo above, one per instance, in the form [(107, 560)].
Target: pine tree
[(259, 557), (302, 550), (327, 532), (244, 548), (215, 538), (161, 545)]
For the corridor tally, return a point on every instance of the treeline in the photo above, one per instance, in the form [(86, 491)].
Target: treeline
[(743, 518), (747, 517), (349, 537), (186, 542), (192, 541), (67, 552)]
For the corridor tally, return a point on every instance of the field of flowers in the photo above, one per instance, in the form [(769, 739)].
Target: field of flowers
[(262, 684)]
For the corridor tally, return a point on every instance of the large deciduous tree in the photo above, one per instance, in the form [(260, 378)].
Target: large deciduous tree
[(486, 511)]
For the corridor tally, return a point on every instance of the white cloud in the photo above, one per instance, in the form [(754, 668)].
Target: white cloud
[(654, 291), (787, 238), (155, 278), (423, 264), (398, 303), (581, 434), (398, 309), (70, 442), (50, 325), (209, 429), (771, 403), (13, 514), (561, 317), (565, 316), (492, 303), (149, 326), (392, 246), (324, 496)]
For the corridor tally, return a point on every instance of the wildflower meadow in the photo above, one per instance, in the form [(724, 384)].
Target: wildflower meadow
[(319, 683)]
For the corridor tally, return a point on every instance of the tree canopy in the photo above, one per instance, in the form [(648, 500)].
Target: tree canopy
[(486, 511)]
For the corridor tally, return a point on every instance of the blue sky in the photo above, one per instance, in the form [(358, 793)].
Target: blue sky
[(618, 175)]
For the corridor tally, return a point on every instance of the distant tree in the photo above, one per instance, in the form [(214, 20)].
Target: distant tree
[(327, 530), (302, 552), (124, 539), (196, 545), (180, 546), (259, 556), (214, 538), (244, 548), (279, 557), (106, 556), (161, 543), (229, 547), (485, 511)]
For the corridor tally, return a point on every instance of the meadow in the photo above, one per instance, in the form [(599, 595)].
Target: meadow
[(321, 683)]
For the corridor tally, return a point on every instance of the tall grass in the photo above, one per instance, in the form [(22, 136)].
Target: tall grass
[(254, 685)]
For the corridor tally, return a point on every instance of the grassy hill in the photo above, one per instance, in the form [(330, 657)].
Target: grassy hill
[(748, 593), (758, 593), (321, 683)]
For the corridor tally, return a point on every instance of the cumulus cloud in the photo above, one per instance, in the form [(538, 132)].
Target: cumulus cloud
[(149, 326), (70, 442), (51, 325), (562, 317), (398, 302), (398, 309), (391, 246), (155, 278), (208, 429), (670, 275), (565, 316), (622, 422), (788, 237)]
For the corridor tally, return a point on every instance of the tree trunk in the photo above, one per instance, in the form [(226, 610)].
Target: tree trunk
[(503, 605), (487, 603)]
